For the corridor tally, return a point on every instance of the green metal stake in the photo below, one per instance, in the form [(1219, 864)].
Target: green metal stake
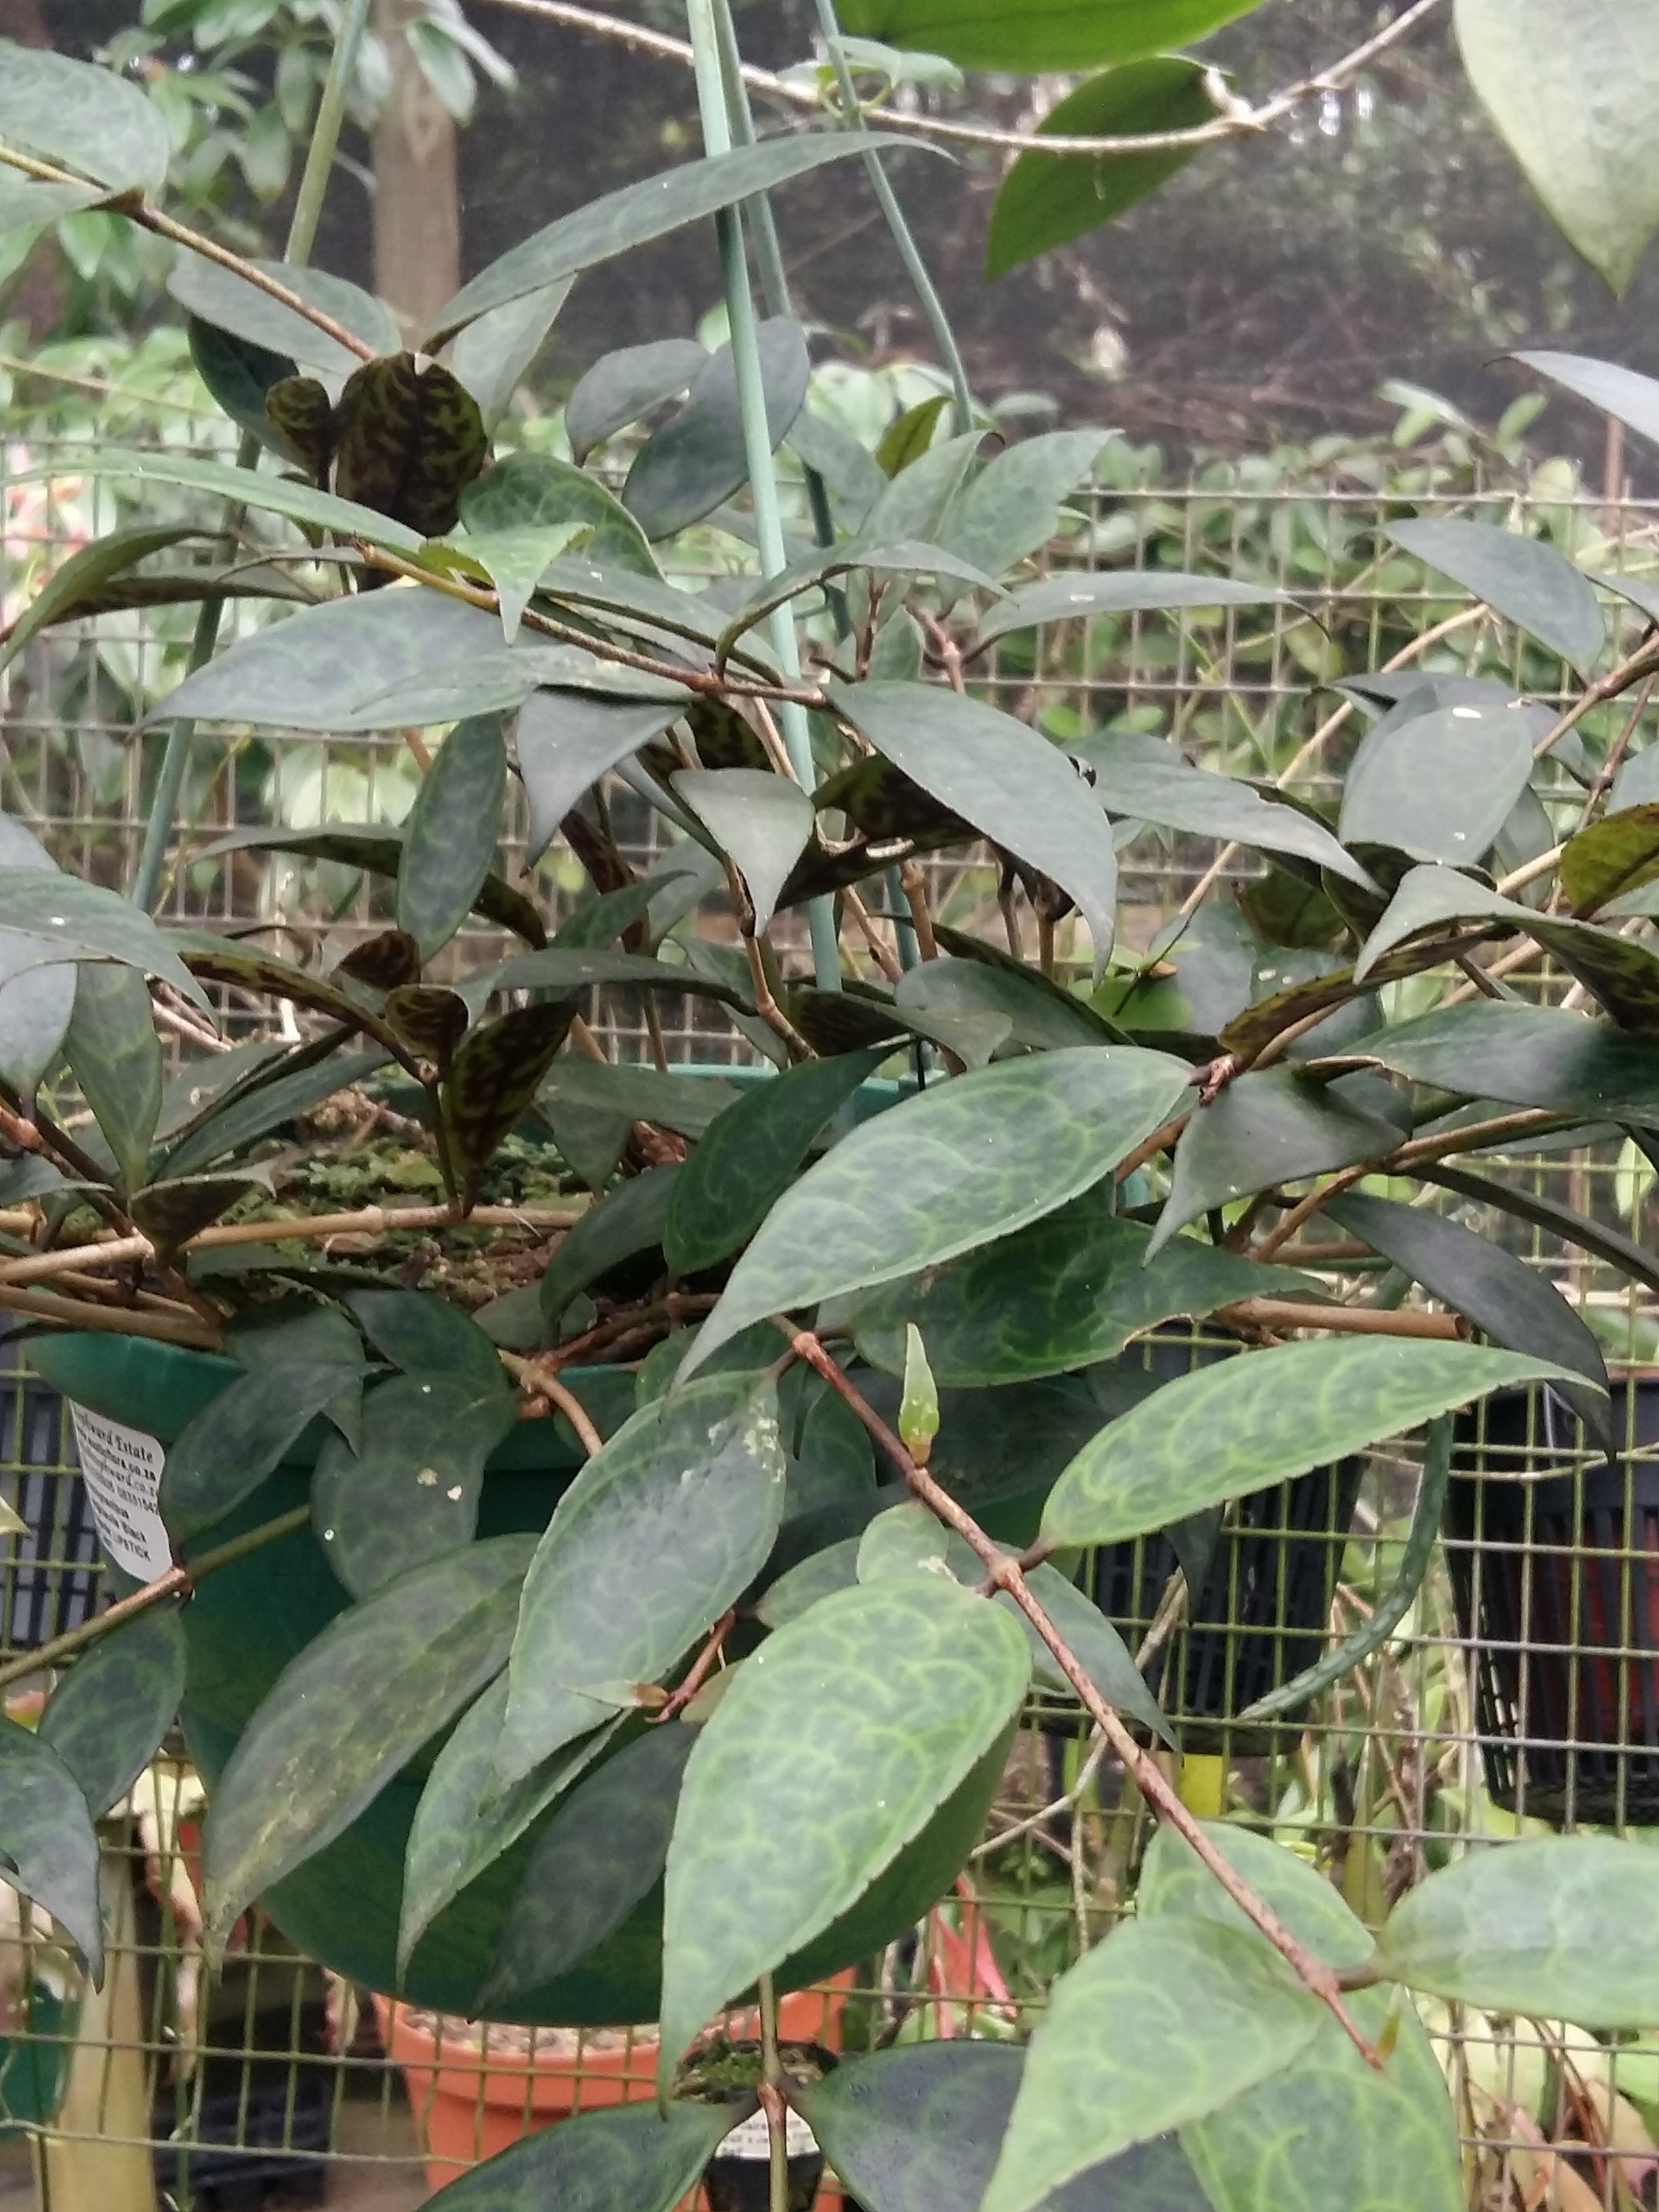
[(915, 268), (302, 237), (757, 447)]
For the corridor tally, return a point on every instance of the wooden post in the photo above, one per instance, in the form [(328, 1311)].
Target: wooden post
[(97, 2155), (417, 202)]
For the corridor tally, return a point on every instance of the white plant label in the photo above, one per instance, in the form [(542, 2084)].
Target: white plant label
[(122, 1469), (750, 2139)]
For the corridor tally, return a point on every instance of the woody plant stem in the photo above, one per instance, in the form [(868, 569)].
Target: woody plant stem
[(1006, 1574)]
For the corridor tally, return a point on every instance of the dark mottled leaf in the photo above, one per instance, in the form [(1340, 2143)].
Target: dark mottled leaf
[(465, 1820), (1048, 198), (494, 1079), (171, 1211), (248, 967), (408, 441), (1243, 1424), (961, 1164), (300, 410), (430, 1019), (1614, 856), (927, 1679), (1269, 1128), (385, 962), (628, 2160), (235, 1440), (698, 457), (450, 838), (106, 1717), (409, 1492), (603, 1850), (661, 1532), (1070, 1290), (48, 1846), (917, 2130), (357, 1704)]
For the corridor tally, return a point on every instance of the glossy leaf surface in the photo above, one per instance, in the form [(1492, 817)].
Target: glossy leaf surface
[(1561, 1927), (1247, 1422), (1048, 198), (964, 1163), (1439, 786), (1166, 2021), (761, 820), (657, 1536), (357, 1704), (494, 1077), (1071, 1289), (627, 2159), (1012, 784), (781, 1827), (1534, 586)]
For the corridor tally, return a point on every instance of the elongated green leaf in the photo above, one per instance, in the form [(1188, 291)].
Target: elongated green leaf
[(67, 590), (236, 1440), (1439, 785), (1167, 2020), (1562, 1928), (106, 1718), (627, 1221), (917, 2130), (1074, 598), (1386, 2137), (698, 457), (899, 559), (219, 296), (964, 1163), (1549, 1214), (639, 213), (1531, 62), (270, 495), (1525, 1056), (409, 1492), (850, 470), (492, 354), (425, 1335), (603, 1850), (378, 847), (46, 919), (657, 1536), (762, 820), (1012, 506), (1047, 198), (1528, 582), (1012, 784), (1509, 1301), (291, 1331), (628, 2160), (1041, 36), (1256, 1419), (820, 1575), (48, 1847), (1623, 393), (240, 375), (914, 506), (295, 1086), (538, 491), (624, 386), (1612, 858), (727, 1187), (783, 1827), (1135, 781), (1271, 1127), (249, 967), (449, 841), (35, 1007), (494, 1079), (356, 1705), (561, 968), (465, 1820), (86, 118), (1071, 1289), (566, 742), (689, 1103), (116, 1056), (515, 561)]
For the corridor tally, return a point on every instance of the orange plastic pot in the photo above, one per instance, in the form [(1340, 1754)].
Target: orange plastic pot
[(471, 2098)]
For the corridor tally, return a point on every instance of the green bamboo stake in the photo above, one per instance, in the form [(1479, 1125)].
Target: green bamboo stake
[(302, 237), (757, 446), (932, 305)]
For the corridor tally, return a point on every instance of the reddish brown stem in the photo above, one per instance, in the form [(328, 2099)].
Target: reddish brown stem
[(1154, 1786), (698, 1672)]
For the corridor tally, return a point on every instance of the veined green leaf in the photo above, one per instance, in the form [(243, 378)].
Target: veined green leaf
[(48, 1846), (87, 118), (106, 1717), (116, 1057), (449, 841)]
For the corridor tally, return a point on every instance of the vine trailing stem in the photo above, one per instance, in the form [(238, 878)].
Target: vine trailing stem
[(1006, 1574), (771, 2097), (179, 1582), (1239, 121)]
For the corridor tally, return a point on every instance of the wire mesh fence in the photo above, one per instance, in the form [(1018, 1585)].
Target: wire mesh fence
[(1523, 1687)]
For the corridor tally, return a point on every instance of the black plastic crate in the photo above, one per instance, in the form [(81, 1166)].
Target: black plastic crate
[(50, 1583)]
